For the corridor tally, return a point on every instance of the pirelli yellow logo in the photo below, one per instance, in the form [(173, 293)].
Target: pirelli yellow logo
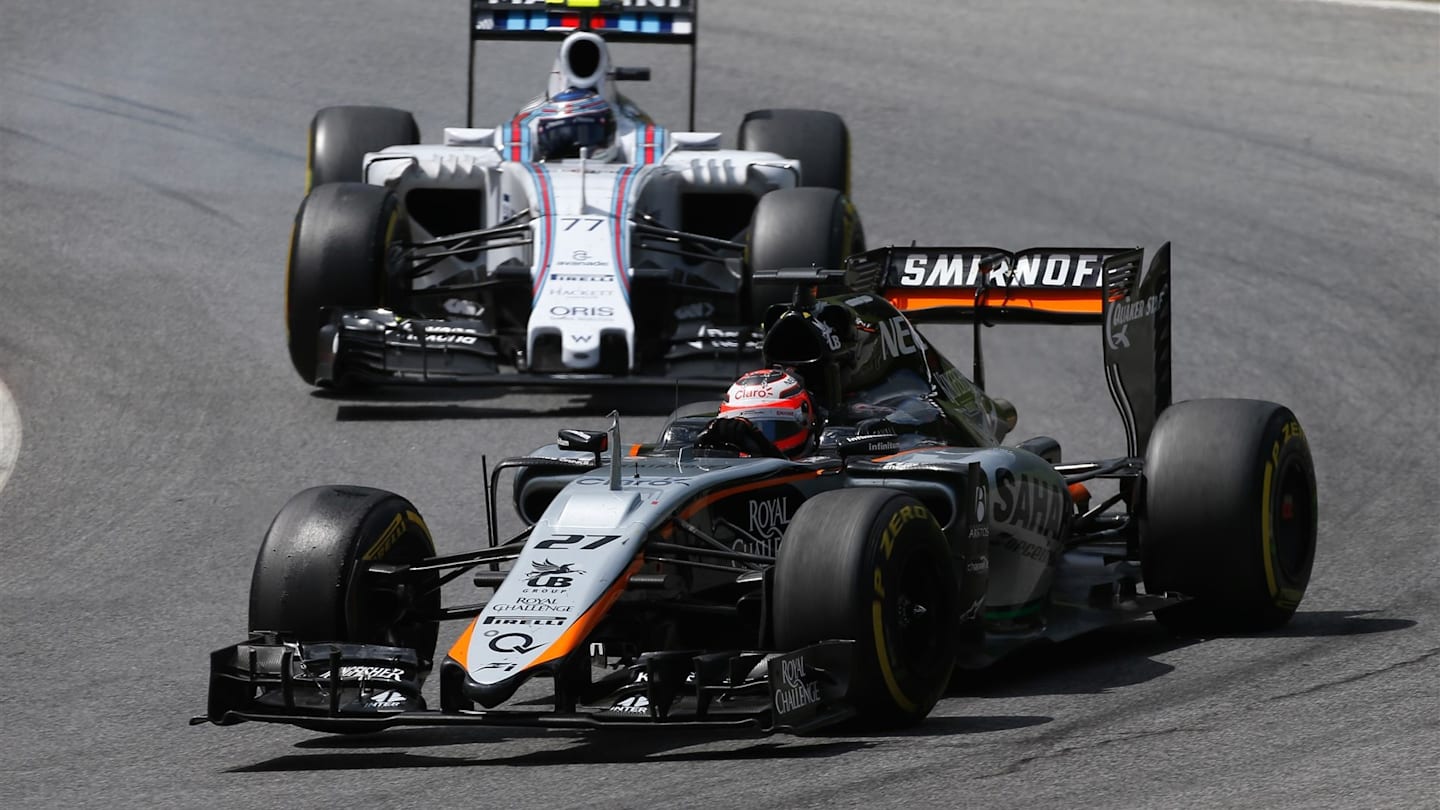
[(897, 522), (392, 535), (887, 538), (387, 538)]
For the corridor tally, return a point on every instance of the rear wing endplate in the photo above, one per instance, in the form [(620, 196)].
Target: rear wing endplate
[(1137, 341)]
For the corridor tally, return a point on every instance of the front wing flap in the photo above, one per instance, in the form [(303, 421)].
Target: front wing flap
[(267, 676), (353, 687), (369, 346)]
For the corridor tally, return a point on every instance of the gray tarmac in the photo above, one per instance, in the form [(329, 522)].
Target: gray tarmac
[(152, 156)]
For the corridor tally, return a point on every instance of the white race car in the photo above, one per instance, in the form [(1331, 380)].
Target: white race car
[(577, 244)]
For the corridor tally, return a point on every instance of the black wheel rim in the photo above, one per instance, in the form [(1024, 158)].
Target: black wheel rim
[(915, 615), (397, 614), (1292, 523)]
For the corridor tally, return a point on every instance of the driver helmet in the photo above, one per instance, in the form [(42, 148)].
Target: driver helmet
[(775, 402), (573, 119)]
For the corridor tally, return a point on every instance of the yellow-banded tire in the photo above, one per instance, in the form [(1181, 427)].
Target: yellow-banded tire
[(871, 565), (1229, 516), (312, 580), (341, 256)]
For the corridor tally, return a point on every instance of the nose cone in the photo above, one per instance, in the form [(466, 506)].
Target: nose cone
[(580, 352)]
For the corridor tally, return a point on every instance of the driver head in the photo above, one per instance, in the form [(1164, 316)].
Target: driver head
[(572, 120), (775, 401)]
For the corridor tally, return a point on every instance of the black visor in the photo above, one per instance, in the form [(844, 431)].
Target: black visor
[(563, 137), (777, 429)]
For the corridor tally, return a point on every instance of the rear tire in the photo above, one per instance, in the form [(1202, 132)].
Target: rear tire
[(819, 140), (340, 137), (339, 257), (872, 565), (1229, 516), (310, 580), (797, 228)]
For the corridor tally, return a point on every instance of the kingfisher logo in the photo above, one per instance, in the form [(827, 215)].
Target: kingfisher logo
[(388, 700), (365, 673)]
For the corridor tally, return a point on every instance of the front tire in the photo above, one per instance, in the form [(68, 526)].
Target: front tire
[(819, 140), (798, 228), (341, 136), (872, 565), (1229, 515), (340, 256), (311, 580)]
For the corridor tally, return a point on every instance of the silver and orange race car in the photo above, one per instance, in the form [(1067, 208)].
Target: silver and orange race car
[(577, 244), (707, 578)]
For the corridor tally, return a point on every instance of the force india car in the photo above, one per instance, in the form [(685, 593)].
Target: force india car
[(685, 583), (477, 261)]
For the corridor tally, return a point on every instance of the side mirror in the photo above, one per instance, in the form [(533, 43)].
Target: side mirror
[(1042, 446), (584, 441), (631, 74)]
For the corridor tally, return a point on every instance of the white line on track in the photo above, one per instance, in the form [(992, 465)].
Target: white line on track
[(9, 433), (1389, 5)]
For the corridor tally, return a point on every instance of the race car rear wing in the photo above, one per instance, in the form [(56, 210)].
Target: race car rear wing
[(985, 286), (951, 284), (674, 22)]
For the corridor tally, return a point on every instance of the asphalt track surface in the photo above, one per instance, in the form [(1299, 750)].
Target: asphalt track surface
[(151, 158)]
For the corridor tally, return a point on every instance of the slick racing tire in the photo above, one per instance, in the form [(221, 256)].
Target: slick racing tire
[(311, 580), (819, 140), (799, 228), (340, 137), (1229, 515), (872, 565), (340, 256)]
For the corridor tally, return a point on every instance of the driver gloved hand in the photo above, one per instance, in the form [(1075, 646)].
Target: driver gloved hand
[(738, 434), (727, 431)]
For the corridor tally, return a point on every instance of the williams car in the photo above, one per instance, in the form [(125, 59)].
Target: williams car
[(577, 244)]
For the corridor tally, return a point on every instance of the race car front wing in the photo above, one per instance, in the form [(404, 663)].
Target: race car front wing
[(337, 687), (374, 347)]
